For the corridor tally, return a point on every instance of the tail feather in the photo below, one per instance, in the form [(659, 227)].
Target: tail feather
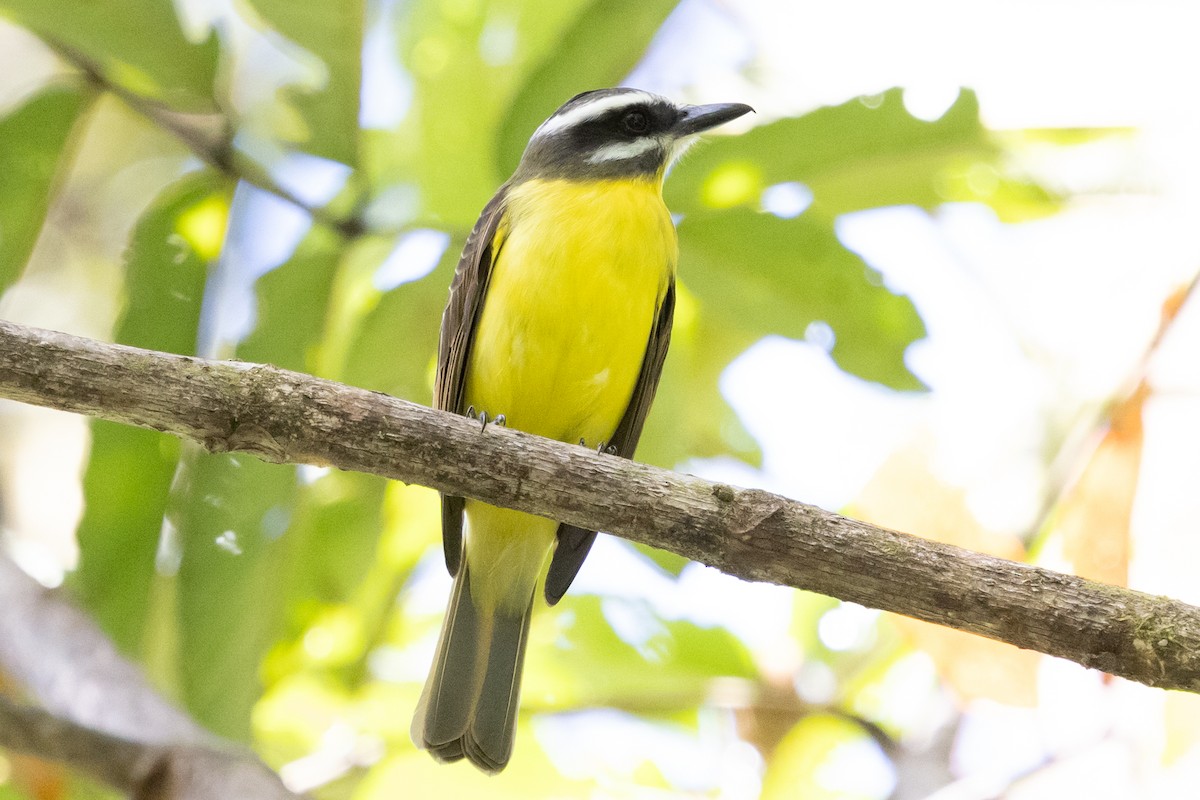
[(469, 705), (490, 741)]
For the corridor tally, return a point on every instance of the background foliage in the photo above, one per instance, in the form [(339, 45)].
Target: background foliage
[(291, 183)]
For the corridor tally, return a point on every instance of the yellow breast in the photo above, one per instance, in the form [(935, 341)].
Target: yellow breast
[(581, 272)]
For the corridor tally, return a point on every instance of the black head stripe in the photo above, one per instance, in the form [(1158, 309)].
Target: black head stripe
[(602, 133)]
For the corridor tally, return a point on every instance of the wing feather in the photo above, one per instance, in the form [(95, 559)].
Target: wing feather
[(459, 322)]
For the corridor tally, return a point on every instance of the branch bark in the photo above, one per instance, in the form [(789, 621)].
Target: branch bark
[(142, 770), (282, 416), (100, 714)]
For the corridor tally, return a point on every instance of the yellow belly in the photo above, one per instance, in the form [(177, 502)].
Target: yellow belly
[(574, 293)]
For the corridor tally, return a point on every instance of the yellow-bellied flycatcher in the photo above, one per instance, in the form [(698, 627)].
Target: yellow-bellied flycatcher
[(558, 321)]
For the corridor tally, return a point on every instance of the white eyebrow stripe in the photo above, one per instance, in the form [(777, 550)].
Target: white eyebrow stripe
[(620, 151), (592, 109)]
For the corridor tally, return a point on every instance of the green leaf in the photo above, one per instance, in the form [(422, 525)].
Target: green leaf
[(601, 47), (531, 773), (136, 43), (867, 153), (236, 517), (231, 518), (261, 553), (669, 563), (470, 62), (576, 658), (292, 303), (333, 32), (263, 549), (797, 765), (397, 341), (763, 274), (690, 418), (34, 139), (130, 469)]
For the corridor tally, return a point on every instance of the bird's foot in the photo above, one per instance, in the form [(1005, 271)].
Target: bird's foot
[(603, 447), (499, 420)]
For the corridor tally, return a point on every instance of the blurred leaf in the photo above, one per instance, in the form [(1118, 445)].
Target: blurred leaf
[(34, 141), (30, 778), (411, 522), (136, 43), (231, 515), (353, 296), (669, 563), (1094, 515), (763, 275), (470, 64), (167, 264), (292, 304), (261, 555), (906, 495), (690, 418), (333, 32), (866, 153), (260, 538), (397, 340), (577, 659), (130, 469), (295, 714), (323, 673), (601, 47), (37, 778), (797, 768), (334, 536), (529, 774)]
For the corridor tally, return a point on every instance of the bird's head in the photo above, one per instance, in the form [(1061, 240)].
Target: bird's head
[(618, 133)]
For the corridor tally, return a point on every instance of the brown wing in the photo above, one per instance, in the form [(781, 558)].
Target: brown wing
[(459, 320), (574, 543)]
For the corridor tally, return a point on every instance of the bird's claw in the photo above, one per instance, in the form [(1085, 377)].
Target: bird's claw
[(482, 416)]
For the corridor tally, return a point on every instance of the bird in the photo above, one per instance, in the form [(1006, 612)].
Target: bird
[(557, 324)]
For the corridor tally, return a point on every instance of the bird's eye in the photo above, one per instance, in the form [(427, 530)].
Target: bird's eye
[(635, 122)]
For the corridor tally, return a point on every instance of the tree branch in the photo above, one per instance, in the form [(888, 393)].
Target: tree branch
[(99, 712), (176, 771), (284, 416)]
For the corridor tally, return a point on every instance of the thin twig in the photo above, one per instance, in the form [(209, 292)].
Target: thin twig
[(1085, 436), (208, 136)]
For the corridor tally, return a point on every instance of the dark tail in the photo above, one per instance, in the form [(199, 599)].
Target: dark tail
[(469, 705)]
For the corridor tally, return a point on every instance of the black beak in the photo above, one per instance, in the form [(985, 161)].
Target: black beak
[(697, 119)]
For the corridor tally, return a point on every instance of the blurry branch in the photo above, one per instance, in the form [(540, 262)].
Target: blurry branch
[(142, 771), (282, 416), (208, 136), (100, 715)]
